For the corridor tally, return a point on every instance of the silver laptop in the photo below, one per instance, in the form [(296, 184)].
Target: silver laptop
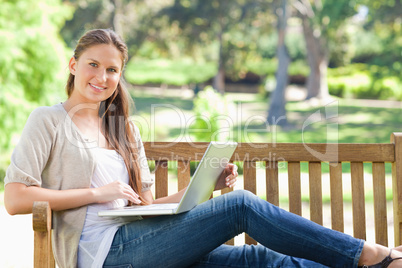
[(199, 190)]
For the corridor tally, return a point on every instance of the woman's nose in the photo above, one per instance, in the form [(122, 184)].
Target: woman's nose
[(101, 75)]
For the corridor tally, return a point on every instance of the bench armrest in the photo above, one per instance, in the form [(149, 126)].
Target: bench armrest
[(42, 226)]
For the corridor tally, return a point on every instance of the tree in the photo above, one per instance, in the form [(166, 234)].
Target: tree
[(277, 111), (205, 22), (321, 19), (136, 21), (383, 21)]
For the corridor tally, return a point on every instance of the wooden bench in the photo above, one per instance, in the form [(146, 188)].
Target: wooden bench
[(294, 156)]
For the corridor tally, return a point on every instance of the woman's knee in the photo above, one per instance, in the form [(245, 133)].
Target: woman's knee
[(243, 196)]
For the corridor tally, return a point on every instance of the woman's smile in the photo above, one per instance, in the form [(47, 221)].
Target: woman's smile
[(98, 88)]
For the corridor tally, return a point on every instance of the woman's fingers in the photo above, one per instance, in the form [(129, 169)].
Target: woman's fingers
[(232, 178), (131, 194)]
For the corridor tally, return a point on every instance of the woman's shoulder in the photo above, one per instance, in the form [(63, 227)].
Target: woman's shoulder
[(47, 115)]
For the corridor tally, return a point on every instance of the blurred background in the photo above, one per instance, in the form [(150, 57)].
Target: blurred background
[(245, 70), (268, 63)]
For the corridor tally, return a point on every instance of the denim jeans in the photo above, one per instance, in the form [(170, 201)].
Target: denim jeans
[(195, 238)]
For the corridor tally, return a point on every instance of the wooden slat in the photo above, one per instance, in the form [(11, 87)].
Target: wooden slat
[(42, 226), (291, 152), (271, 169), (335, 176), (225, 191), (396, 139), (250, 184), (359, 211), (250, 176), (380, 204), (161, 178), (183, 174), (295, 204), (314, 169)]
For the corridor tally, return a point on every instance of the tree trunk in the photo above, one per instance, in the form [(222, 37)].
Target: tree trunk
[(116, 18), (218, 82), (317, 56), (277, 110)]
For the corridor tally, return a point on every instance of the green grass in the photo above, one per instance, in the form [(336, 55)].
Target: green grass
[(351, 123), (163, 71)]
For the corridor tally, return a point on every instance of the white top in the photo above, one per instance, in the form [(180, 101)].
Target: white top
[(98, 232)]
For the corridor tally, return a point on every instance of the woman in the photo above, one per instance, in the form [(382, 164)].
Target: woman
[(84, 155)]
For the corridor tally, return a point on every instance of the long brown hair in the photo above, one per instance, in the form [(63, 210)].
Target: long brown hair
[(116, 126)]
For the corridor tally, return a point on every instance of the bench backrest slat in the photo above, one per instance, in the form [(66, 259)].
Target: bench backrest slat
[(183, 174), (161, 183), (295, 203), (272, 182), (358, 204), (315, 184), (380, 204), (336, 191)]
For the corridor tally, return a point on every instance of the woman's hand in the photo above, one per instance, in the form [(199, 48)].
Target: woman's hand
[(116, 190), (228, 177)]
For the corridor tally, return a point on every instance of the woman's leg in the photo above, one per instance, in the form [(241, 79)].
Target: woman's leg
[(250, 256), (181, 240)]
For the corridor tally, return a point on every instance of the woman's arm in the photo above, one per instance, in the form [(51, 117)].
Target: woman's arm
[(19, 198)]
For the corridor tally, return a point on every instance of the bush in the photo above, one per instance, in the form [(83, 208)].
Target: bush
[(32, 63), (212, 121), (364, 81)]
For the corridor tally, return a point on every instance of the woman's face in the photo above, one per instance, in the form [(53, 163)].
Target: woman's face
[(97, 73)]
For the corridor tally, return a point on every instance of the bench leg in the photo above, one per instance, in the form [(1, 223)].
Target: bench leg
[(43, 253)]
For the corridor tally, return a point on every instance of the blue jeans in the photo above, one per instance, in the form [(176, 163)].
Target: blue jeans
[(195, 238)]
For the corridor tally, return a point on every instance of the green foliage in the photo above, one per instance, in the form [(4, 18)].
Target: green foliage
[(364, 82), (31, 62), (211, 112), (226, 32)]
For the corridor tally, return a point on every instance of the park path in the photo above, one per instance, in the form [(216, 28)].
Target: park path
[(16, 240)]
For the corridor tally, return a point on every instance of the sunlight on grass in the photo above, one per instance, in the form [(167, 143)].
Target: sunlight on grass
[(170, 72), (353, 124)]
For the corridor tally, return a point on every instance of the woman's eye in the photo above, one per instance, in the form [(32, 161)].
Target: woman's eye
[(93, 64), (112, 70)]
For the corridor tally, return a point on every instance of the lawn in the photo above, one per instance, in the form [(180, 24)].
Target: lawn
[(343, 121)]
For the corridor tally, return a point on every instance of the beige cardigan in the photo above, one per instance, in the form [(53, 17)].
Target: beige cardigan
[(53, 154)]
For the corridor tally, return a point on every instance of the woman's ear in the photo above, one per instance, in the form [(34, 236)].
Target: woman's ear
[(72, 65)]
